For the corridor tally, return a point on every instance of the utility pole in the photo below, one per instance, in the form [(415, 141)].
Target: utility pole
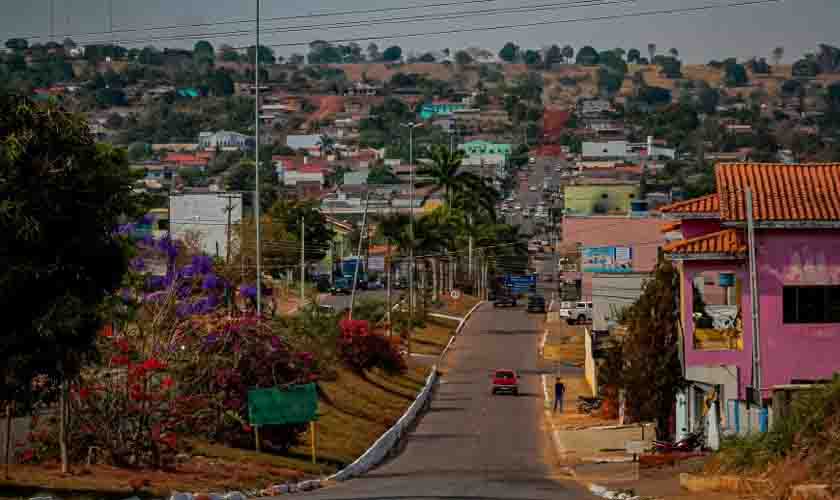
[(388, 287), (52, 20), (257, 161), (755, 303), (362, 234), (470, 250), (411, 264), (302, 260)]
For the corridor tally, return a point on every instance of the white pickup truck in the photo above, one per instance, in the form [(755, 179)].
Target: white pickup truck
[(576, 312)]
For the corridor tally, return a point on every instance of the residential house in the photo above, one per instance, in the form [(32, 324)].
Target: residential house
[(293, 169), (310, 143), (600, 196), (734, 354), (435, 108), (593, 107), (199, 160), (175, 147), (362, 89), (470, 121), (225, 140), (356, 177)]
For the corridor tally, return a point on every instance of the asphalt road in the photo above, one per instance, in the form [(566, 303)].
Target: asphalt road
[(470, 444), (543, 169)]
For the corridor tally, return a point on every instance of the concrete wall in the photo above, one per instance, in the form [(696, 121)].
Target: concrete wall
[(205, 215), (611, 293), (613, 198), (590, 367)]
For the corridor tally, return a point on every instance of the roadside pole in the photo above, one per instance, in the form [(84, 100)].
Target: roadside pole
[(302, 261), (388, 288), (362, 234)]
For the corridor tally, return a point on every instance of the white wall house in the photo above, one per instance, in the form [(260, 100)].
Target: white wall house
[(224, 139), (205, 216)]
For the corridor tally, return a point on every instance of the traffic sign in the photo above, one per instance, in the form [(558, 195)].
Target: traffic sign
[(455, 294)]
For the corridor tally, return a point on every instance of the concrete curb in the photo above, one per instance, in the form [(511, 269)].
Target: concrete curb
[(604, 492), (446, 316)]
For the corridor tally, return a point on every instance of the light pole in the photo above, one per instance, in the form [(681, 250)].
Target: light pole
[(411, 302), (257, 161)]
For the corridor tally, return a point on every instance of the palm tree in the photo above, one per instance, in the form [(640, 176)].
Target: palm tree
[(326, 144), (674, 52), (445, 174)]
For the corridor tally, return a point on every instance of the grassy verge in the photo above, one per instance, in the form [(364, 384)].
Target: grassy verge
[(458, 307), (354, 411), (434, 337)]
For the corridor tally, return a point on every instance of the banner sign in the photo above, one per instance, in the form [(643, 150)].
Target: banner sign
[(607, 260), (295, 405), (521, 284)]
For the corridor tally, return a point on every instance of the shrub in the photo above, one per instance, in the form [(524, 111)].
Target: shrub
[(362, 349)]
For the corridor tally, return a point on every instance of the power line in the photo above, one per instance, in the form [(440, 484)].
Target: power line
[(629, 15), (267, 19), (675, 11), (376, 22)]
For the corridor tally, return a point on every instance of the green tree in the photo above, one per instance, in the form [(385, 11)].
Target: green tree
[(735, 75), (554, 54), (646, 362), (778, 54), (17, 44), (382, 174), (709, 99), (203, 52), (674, 52), (58, 267), (509, 53), (568, 53), (587, 56), (445, 174), (266, 54), (392, 53), (633, 55), (228, 53), (651, 51), (463, 58), (532, 58), (242, 177), (220, 83), (805, 68)]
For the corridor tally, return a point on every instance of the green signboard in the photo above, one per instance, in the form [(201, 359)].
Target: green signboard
[(294, 405)]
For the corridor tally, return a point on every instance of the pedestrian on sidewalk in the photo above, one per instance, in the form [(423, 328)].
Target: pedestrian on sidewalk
[(559, 391)]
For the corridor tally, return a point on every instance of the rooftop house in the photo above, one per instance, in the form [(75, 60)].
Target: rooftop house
[(730, 355), (435, 108), (481, 148), (225, 140)]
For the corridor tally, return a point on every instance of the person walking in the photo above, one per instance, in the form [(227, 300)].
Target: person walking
[(559, 391)]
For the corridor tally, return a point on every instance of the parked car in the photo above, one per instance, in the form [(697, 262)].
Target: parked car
[(536, 304), (505, 381), (341, 286), (375, 285), (579, 312), (505, 301)]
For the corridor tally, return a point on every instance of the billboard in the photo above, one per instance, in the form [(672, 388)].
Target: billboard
[(607, 260)]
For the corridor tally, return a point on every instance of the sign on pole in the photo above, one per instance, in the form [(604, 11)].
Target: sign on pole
[(295, 405), (455, 294)]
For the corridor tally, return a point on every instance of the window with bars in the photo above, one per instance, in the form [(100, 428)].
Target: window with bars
[(811, 304)]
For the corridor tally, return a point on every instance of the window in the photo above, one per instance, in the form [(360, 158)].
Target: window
[(811, 304)]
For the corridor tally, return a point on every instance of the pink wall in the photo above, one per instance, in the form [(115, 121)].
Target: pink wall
[(699, 227), (693, 357), (643, 235), (796, 258), (788, 351)]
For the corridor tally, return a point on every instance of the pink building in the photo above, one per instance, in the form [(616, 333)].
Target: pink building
[(796, 213), (642, 235)]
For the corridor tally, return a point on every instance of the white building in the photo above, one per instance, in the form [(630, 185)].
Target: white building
[(224, 139), (205, 216)]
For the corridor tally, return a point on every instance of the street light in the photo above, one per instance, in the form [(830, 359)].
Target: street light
[(411, 126)]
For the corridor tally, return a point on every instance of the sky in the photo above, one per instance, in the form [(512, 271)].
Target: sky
[(743, 32)]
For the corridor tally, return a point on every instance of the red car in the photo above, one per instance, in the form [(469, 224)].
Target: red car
[(505, 381)]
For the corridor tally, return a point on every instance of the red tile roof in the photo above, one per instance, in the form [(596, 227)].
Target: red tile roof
[(709, 204), (728, 242), (671, 226), (781, 192)]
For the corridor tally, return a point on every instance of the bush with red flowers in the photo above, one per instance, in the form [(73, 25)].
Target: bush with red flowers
[(362, 349)]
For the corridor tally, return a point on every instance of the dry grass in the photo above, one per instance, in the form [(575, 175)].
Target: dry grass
[(434, 337), (355, 412), (458, 307)]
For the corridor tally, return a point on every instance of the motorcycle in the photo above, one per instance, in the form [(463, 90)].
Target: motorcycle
[(588, 405), (693, 441)]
